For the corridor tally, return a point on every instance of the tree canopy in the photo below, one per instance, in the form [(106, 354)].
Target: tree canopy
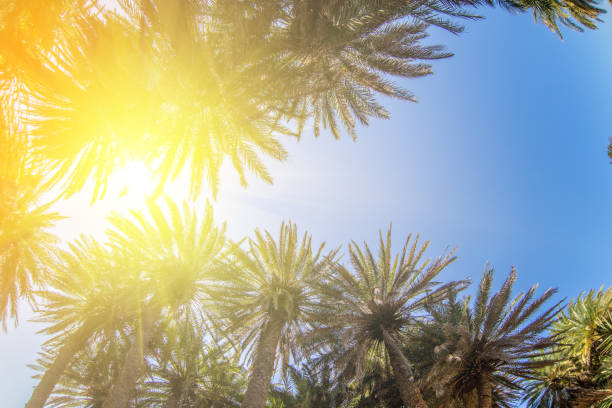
[(166, 310)]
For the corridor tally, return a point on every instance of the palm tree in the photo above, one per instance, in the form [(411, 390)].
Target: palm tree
[(91, 294), (582, 374), (199, 83), (149, 268), (574, 15), (95, 107), (499, 342), (271, 300), (313, 387), (377, 387), (425, 345), (587, 325), (345, 52), (88, 378), (26, 244), (554, 386), (374, 303), (128, 82), (28, 34), (177, 254), (186, 370)]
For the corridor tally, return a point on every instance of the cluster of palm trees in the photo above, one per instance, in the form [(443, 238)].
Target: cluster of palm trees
[(167, 311)]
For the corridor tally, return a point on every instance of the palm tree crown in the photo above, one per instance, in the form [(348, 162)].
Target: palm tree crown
[(582, 374), (91, 298), (274, 299), (498, 342), (26, 243), (176, 255), (373, 304)]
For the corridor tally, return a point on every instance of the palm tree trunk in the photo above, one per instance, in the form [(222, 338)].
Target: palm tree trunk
[(263, 366), (470, 399), (402, 374), (120, 392), (485, 391), (173, 401), (55, 371)]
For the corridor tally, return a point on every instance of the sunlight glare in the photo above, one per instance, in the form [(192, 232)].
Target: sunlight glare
[(133, 182)]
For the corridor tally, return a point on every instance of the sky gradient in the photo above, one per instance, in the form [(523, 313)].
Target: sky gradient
[(504, 157)]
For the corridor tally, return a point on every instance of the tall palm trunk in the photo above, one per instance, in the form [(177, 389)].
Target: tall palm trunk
[(470, 400), (55, 371), (402, 374), (485, 391), (120, 392), (263, 366)]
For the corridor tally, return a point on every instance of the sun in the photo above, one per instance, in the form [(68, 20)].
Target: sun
[(132, 185), (132, 182)]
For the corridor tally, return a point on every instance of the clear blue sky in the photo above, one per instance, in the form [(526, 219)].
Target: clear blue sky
[(504, 157)]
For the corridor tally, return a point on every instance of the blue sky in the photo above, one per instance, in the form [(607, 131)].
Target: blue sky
[(504, 157)]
